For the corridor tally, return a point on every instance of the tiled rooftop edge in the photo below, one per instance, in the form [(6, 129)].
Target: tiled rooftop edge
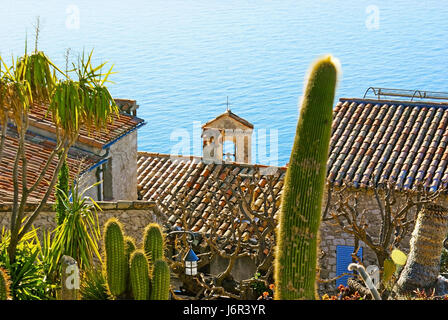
[(191, 157), (380, 141), (396, 102), (104, 205), (140, 124), (122, 124)]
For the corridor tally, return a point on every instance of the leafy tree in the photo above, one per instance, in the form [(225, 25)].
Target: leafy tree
[(79, 99)]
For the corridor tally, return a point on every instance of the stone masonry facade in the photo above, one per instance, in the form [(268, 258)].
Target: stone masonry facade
[(134, 215)]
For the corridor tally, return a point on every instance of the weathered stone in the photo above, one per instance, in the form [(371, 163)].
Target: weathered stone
[(4, 207), (339, 242), (140, 204), (124, 215), (69, 279), (133, 219), (121, 204), (107, 205)]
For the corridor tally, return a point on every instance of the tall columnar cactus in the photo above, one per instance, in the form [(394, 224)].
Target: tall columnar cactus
[(160, 281), (4, 285), (139, 276), (129, 247), (296, 257), (116, 262), (129, 269), (153, 242)]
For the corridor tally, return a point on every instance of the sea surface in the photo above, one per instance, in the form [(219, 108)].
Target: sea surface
[(181, 60)]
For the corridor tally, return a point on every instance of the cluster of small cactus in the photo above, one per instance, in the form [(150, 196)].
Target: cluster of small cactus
[(296, 257), (4, 285), (132, 273)]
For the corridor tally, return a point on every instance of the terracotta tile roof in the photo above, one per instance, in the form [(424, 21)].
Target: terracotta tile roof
[(374, 142), (162, 177), (120, 126), (38, 150)]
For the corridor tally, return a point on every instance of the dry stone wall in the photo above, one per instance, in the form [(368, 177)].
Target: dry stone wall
[(134, 215)]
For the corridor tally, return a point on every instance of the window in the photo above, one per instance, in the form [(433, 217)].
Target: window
[(343, 259), (229, 151)]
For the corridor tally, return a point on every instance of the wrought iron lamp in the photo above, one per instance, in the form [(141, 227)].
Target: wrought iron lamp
[(190, 259)]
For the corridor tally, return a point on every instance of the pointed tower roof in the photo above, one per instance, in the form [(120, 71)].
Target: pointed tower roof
[(228, 120)]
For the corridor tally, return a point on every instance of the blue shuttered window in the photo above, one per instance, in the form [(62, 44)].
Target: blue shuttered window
[(343, 259)]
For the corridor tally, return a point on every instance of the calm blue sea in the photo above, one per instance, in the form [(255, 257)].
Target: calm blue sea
[(181, 59)]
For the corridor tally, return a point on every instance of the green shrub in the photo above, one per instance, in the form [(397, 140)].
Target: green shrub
[(28, 280), (78, 234), (94, 285), (61, 193)]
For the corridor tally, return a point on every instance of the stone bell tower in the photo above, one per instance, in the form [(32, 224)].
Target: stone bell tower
[(227, 137)]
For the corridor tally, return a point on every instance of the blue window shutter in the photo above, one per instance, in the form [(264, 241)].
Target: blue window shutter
[(343, 259)]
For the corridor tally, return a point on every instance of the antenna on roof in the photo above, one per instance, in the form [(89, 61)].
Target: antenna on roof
[(412, 94), (228, 108)]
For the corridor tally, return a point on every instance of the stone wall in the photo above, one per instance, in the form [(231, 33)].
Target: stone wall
[(119, 176), (86, 180), (123, 162), (134, 215)]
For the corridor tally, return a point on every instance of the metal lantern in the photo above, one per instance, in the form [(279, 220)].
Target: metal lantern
[(191, 263), (190, 259)]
